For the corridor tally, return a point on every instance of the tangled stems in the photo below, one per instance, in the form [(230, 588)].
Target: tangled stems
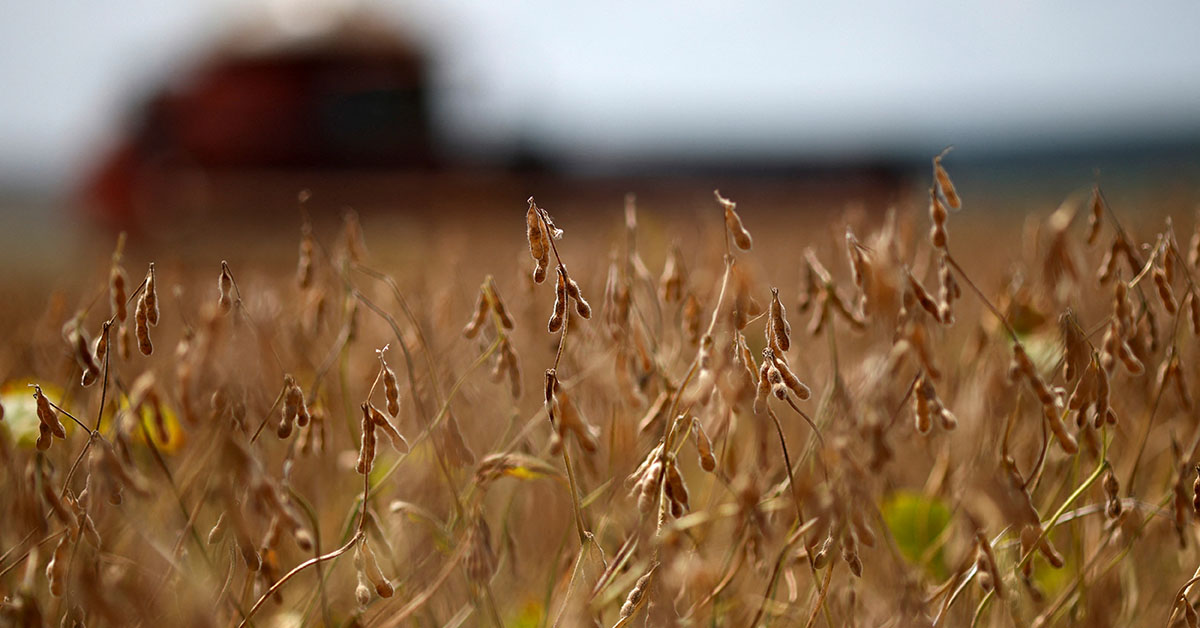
[(360, 505), (1049, 525), (297, 569), (359, 533)]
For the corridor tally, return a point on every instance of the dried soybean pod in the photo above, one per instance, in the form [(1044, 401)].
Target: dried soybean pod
[(374, 573), (1196, 492), (362, 592), (56, 569), (676, 485), (1129, 360), (539, 241), (1165, 294), (672, 283), (647, 487), (225, 288), (943, 180), (1112, 494), (733, 223), (399, 443), (774, 376), (513, 367), (821, 558), (1051, 554), (859, 265), (533, 231), (151, 297), (1194, 247), (922, 412), (83, 355), (481, 309), (46, 415), (497, 303), (634, 600), (1095, 215), (747, 358), (293, 398), (1180, 384), (704, 447), (123, 342), (779, 328), (454, 444), (1108, 264), (1189, 613), (764, 386), (1059, 429), (480, 562), (850, 554), (1085, 390), (798, 387), (982, 575), (948, 290), (304, 264), (1193, 305), (116, 291), (949, 421), (1102, 393), (924, 298), (581, 305), (938, 215), (366, 450), (560, 304), (102, 343), (44, 437), (391, 387), (141, 326)]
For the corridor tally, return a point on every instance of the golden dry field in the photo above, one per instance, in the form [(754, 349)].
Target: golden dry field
[(715, 412)]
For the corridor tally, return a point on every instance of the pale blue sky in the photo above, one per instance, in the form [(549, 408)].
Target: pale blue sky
[(598, 82)]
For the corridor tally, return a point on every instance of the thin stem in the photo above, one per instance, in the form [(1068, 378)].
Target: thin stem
[(807, 418), (421, 598), (1044, 617), (1049, 525), (25, 555), (359, 534), (311, 513), (1153, 411), (982, 297), (812, 619), (297, 569), (254, 328), (787, 460), (267, 416), (580, 527), (67, 414), (104, 384)]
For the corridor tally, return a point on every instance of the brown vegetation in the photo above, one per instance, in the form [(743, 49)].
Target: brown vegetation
[(948, 441)]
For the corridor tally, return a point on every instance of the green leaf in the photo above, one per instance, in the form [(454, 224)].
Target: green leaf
[(1050, 580), (530, 616), (915, 522)]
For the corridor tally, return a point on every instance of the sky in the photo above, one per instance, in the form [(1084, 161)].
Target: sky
[(597, 83)]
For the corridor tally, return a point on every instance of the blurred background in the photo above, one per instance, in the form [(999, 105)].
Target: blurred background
[(144, 115)]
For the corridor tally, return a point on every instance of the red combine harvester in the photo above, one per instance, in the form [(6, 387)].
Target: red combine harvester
[(346, 114), (353, 99)]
